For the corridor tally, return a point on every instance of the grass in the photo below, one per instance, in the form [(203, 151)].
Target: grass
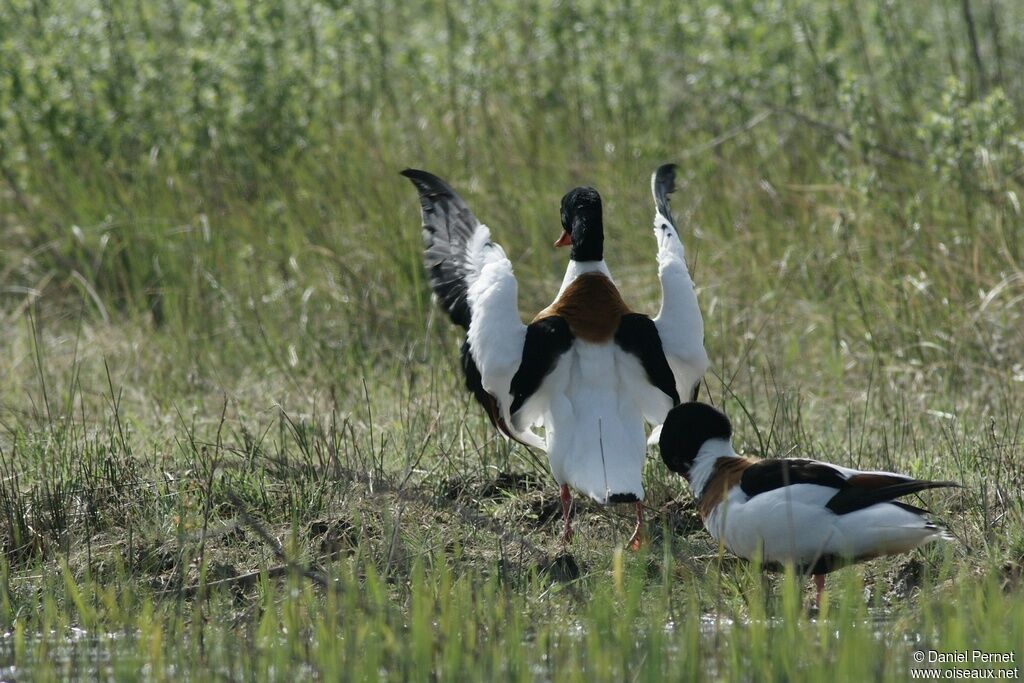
[(233, 436)]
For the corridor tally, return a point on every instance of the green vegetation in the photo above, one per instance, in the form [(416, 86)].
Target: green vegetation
[(233, 436)]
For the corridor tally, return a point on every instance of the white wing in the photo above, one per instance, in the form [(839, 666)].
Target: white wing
[(474, 284), (679, 321), (496, 334)]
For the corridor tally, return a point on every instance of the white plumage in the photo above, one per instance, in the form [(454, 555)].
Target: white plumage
[(595, 428), (496, 334)]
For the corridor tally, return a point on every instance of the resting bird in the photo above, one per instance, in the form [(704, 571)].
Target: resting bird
[(587, 369), (815, 516)]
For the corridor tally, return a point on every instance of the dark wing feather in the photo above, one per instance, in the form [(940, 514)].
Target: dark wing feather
[(852, 493), (768, 475), (857, 497), (664, 185), (474, 382), (638, 335), (546, 340), (448, 226), (909, 508)]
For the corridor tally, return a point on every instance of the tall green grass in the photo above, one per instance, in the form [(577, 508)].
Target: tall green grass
[(222, 373)]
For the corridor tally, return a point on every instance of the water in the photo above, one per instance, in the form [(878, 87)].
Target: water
[(76, 654)]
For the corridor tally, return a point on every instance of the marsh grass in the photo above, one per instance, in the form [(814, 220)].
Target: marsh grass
[(233, 437)]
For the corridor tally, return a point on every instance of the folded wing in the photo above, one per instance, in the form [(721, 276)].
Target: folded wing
[(852, 489)]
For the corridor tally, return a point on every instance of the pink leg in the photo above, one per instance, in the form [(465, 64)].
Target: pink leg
[(566, 497), (637, 539), (819, 585)]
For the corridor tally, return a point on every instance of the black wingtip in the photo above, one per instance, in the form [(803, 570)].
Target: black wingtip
[(427, 184), (413, 174), (666, 176), (855, 498), (925, 485), (664, 184)]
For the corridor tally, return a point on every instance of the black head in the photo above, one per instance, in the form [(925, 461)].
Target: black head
[(686, 428), (582, 224)]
